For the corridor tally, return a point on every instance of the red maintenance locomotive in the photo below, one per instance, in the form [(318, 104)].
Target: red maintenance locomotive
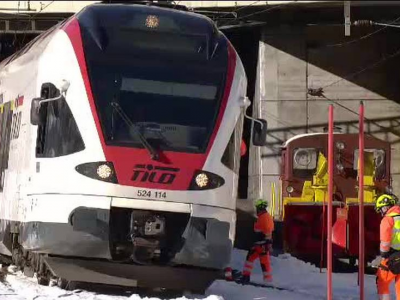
[(304, 194)]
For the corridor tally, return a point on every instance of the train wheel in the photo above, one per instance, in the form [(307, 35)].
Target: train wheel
[(43, 280), (62, 283), (17, 258), (30, 263), (28, 271), (159, 293)]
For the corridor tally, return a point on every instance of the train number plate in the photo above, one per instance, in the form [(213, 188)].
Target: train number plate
[(151, 194)]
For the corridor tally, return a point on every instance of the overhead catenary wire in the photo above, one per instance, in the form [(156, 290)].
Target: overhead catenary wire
[(351, 75), (31, 18), (15, 31), (358, 23), (260, 12), (237, 10), (386, 25), (319, 92), (385, 129)]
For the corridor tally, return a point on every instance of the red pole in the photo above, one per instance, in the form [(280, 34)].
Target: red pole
[(361, 203), (330, 199)]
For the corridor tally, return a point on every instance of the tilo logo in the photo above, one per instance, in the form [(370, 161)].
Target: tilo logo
[(150, 173)]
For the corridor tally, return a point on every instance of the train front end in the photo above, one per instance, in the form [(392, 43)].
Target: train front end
[(155, 109), (305, 194)]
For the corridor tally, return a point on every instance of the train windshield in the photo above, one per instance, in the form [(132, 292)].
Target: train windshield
[(167, 84)]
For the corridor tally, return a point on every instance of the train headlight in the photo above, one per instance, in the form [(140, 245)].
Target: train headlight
[(340, 145), (305, 158), (104, 171), (340, 167), (289, 189), (152, 21), (202, 180)]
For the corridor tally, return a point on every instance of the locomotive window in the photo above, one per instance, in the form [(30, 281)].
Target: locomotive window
[(379, 161), (59, 135), (304, 162)]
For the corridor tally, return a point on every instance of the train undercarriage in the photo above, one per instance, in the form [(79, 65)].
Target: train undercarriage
[(149, 249)]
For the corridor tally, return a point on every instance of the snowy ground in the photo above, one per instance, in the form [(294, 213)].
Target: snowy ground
[(304, 279)]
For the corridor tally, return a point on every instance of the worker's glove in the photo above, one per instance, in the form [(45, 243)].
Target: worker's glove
[(376, 262)]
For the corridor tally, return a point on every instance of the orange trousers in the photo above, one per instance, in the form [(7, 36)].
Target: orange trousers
[(255, 252), (383, 280)]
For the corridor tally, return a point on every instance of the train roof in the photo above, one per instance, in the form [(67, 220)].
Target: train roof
[(296, 137), (299, 136), (166, 4), (123, 14), (107, 12)]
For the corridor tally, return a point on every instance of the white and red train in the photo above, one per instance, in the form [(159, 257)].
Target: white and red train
[(120, 135)]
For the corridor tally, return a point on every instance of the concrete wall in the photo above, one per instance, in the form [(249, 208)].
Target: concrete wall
[(294, 60)]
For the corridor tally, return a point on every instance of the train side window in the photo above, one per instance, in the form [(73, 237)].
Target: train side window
[(5, 137), (231, 156), (59, 135), (228, 156)]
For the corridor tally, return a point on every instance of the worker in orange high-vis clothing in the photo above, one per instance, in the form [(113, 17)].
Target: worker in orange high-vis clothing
[(389, 268), (263, 228)]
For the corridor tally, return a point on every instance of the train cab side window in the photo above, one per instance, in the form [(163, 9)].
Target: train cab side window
[(59, 134), (231, 156), (228, 158)]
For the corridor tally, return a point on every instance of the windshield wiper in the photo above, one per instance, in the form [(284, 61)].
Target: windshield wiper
[(156, 128), (153, 153)]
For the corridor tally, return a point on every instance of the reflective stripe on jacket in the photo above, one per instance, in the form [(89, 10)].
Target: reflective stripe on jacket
[(390, 230)]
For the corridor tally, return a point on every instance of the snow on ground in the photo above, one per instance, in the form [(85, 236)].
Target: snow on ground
[(293, 274), (303, 278)]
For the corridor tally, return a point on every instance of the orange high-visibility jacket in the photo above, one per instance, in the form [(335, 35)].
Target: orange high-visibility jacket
[(386, 229), (264, 226)]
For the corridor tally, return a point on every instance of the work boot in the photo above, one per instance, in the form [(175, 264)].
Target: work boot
[(268, 279), (228, 274), (244, 279)]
